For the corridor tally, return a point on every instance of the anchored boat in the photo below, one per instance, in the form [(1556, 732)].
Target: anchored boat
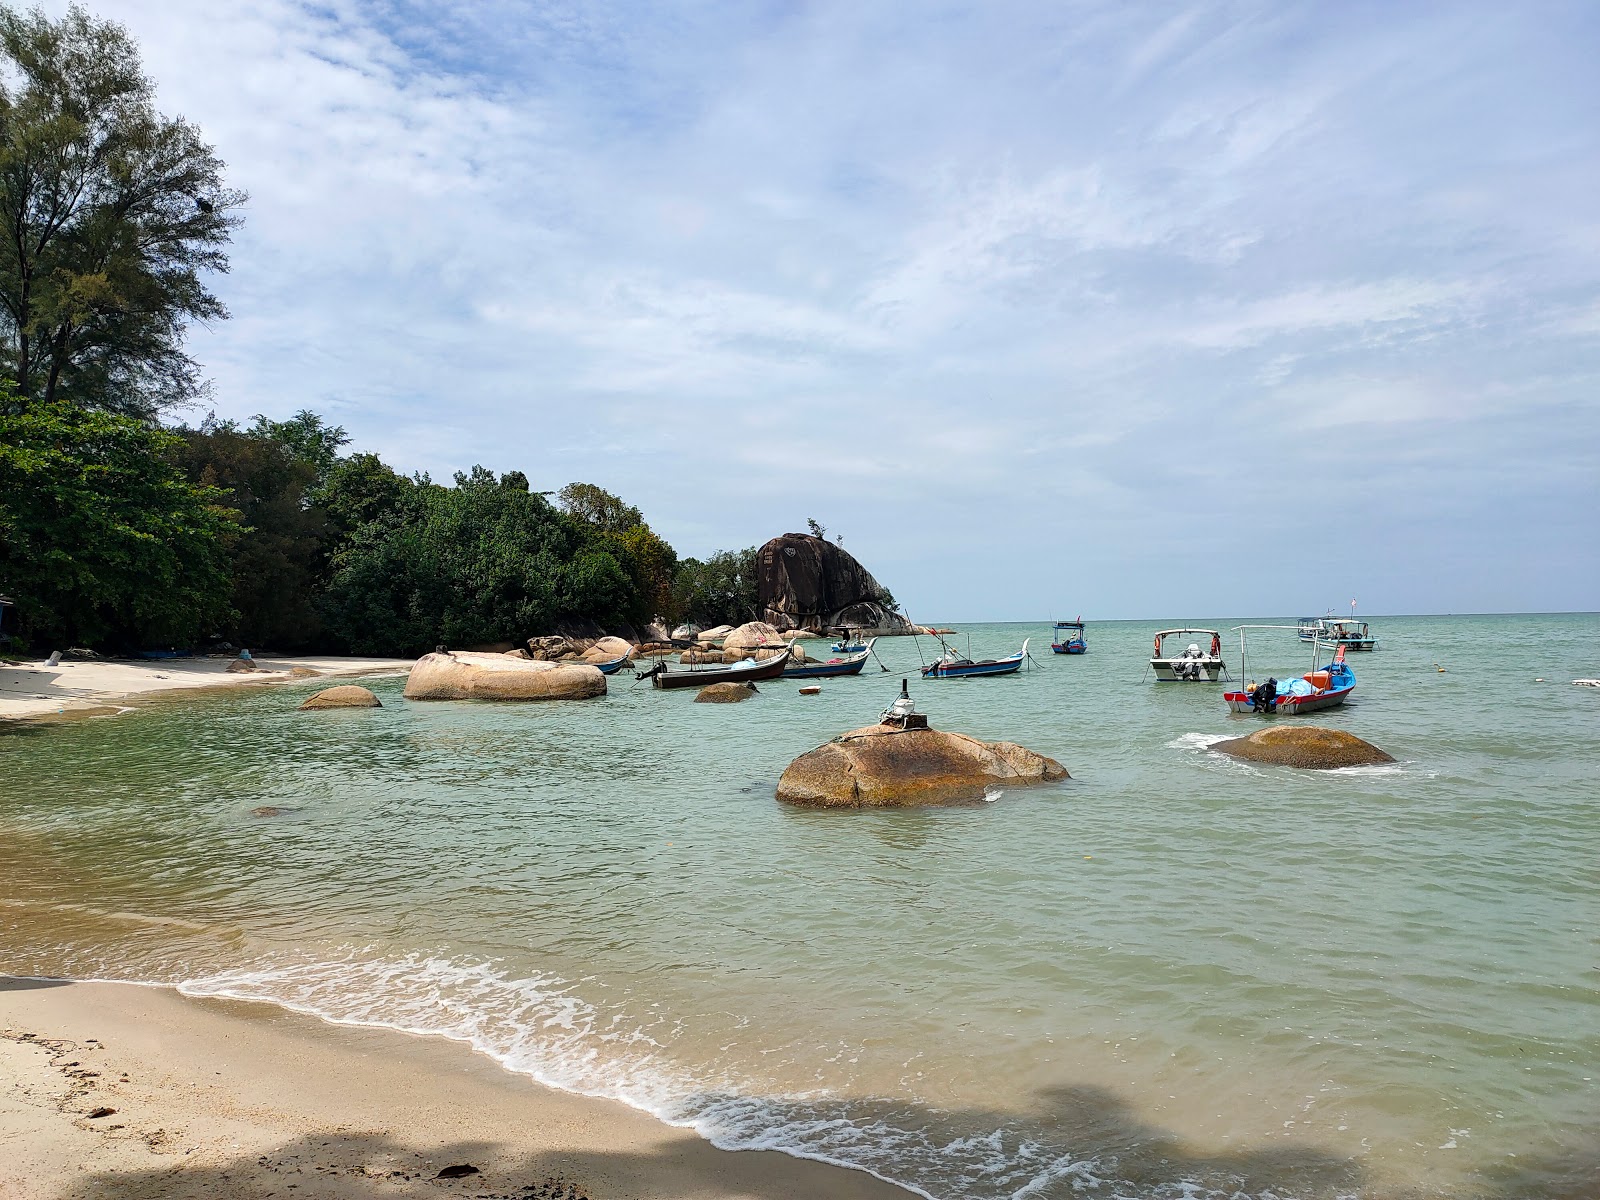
[(1194, 664), (952, 664), (1327, 687), (1337, 631), (1068, 638), (848, 664), (746, 671)]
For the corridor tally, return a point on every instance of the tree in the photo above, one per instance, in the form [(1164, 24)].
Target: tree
[(719, 591), (306, 437), (818, 530), (109, 215), (597, 507), (102, 539)]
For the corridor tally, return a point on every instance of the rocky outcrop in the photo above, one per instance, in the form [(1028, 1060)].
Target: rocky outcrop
[(304, 673), (1307, 746), (724, 693), (347, 695), (465, 676), (606, 649), (806, 582), (883, 766), (242, 666)]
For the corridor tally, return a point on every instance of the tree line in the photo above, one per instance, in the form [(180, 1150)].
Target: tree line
[(122, 530)]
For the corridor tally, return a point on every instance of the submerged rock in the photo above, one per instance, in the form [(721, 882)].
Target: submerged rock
[(883, 766), (724, 693), (346, 695), (1307, 746), (501, 677)]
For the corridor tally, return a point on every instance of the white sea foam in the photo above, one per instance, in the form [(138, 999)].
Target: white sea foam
[(1197, 741), (538, 1025)]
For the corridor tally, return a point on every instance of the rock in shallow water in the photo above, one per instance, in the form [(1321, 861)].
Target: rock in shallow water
[(464, 676), (724, 693), (347, 695), (882, 766), (1306, 746)]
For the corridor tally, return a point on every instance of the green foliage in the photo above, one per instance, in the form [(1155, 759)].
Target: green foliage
[(719, 591), (307, 438), (278, 562), (818, 530), (102, 539), (109, 215), (598, 508)]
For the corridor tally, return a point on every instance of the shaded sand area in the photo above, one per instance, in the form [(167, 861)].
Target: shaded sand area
[(208, 1098), (32, 689)]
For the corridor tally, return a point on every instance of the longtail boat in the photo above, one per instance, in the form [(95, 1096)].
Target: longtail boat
[(615, 664), (745, 671), (848, 664), (952, 664)]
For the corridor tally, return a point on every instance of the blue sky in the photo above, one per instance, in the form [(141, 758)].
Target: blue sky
[(1161, 310)]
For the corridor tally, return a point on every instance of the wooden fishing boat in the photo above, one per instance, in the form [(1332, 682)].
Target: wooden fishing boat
[(1317, 689), (952, 664), (1068, 638), (1193, 665), (849, 664), (745, 671), (615, 665)]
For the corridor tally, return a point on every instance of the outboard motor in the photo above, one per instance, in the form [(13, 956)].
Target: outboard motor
[(1265, 697)]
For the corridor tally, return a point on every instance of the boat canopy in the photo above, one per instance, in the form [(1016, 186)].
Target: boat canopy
[(1216, 639)]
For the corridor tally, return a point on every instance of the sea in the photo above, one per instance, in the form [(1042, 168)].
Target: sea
[(1175, 975)]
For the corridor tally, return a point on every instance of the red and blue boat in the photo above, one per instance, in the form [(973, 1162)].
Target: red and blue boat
[(1317, 689), (952, 664), (1069, 638)]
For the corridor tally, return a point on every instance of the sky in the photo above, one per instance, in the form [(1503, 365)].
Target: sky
[(1127, 310)]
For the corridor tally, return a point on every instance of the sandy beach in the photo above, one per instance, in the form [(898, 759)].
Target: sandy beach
[(103, 687), (207, 1098)]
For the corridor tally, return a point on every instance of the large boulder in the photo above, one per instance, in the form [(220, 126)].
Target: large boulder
[(724, 693), (715, 634), (606, 649), (883, 766), (753, 635), (346, 695), (807, 582), (1309, 746), (463, 676)]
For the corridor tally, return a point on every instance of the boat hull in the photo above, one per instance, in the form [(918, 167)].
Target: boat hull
[(615, 665), (1069, 647), (999, 666), (1177, 670), (1290, 706), (700, 677), (826, 670)]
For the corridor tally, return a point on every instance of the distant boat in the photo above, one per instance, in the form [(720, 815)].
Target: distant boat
[(745, 671), (1338, 631), (849, 664), (1317, 689), (1194, 664), (1069, 638), (952, 664)]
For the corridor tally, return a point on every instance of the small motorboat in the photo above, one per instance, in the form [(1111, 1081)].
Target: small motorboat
[(1317, 689), (615, 664), (1068, 638), (952, 664), (1194, 664), (745, 671), (849, 664)]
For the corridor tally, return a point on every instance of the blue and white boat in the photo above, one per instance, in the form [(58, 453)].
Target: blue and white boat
[(847, 664), (614, 665), (1068, 638), (952, 664)]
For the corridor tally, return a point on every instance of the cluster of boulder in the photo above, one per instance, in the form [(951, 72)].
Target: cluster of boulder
[(754, 639)]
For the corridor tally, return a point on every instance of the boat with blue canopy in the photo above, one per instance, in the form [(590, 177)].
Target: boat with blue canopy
[(847, 664), (1319, 688)]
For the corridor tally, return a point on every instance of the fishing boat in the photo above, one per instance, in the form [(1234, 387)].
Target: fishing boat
[(1193, 664), (1337, 631), (846, 645), (745, 671), (1068, 638), (848, 664), (615, 664), (1317, 689), (952, 664)]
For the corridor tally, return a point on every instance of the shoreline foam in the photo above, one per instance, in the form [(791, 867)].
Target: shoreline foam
[(223, 1097)]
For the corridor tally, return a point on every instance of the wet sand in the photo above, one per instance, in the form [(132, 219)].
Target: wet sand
[(207, 1098), (33, 690)]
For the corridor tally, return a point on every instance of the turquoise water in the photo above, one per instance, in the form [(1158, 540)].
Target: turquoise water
[(1174, 975)]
